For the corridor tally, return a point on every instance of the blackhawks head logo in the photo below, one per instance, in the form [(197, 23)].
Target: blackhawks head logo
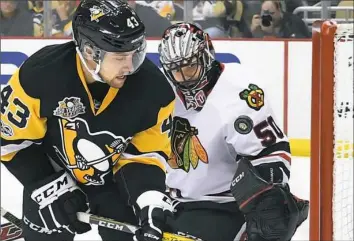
[(254, 96), (186, 147)]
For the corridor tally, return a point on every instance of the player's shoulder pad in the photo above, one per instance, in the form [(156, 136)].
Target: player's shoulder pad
[(155, 84), (48, 69)]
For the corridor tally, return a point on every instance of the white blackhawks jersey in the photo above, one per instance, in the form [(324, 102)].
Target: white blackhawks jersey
[(235, 121)]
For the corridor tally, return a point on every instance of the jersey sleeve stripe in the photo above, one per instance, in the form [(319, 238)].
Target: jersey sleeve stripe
[(282, 146), (281, 157), (11, 148), (148, 159), (133, 151)]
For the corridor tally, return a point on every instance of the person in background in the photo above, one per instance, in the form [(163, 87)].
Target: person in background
[(62, 12), (154, 23), (342, 13), (273, 21), (15, 21), (36, 8), (164, 8), (62, 18)]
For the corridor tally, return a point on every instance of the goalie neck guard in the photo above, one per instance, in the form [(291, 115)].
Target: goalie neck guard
[(184, 45)]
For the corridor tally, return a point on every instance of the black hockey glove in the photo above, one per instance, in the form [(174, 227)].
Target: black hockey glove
[(51, 205), (272, 213), (153, 208)]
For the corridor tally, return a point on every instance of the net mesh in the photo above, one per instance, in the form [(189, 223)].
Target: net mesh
[(343, 133)]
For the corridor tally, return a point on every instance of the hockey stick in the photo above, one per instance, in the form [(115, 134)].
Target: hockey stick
[(128, 228), (10, 217), (86, 218), (10, 231)]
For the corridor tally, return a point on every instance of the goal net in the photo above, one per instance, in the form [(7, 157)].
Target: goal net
[(343, 133), (331, 210)]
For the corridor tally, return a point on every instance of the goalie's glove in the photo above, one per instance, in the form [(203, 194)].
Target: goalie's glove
[(51, 205), (153, 207), (272, 213)]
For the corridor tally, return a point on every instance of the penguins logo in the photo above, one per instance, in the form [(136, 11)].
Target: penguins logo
[(96, 13), (186, 147), (89, 156)]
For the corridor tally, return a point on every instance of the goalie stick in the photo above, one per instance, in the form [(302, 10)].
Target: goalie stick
[(16, 224)]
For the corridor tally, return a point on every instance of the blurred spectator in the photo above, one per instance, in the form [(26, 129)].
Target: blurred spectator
[(274, 22), (250, 8), (291, 5), (154, 23), (211, 16), (178, 7), (15, 21), (221, 18), (62, 12), (164, 8), (342, 14), (36, 7)]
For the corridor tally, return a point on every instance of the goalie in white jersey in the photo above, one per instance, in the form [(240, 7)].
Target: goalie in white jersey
[(224, 135)]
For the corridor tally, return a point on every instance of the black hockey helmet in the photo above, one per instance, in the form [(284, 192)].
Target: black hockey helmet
[(110, 25)]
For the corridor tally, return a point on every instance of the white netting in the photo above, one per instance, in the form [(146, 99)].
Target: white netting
[(343, 133)]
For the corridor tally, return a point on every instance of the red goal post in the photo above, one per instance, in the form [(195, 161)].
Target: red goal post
[(326, 146)]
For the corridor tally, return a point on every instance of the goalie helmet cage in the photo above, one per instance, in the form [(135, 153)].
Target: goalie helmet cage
[(331, 197)]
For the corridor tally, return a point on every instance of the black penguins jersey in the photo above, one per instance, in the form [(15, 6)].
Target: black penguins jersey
[(47, 107)]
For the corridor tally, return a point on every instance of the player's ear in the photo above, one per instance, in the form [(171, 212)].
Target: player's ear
[(88, 52)]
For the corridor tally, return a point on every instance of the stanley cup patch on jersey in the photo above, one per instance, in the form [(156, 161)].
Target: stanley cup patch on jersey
[(6, 130), (186, 147), (88, 156), (70, 107), (254, 96)]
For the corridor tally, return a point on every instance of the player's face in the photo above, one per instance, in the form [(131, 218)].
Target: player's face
[(7, 7), (115, 67), (187, 73)]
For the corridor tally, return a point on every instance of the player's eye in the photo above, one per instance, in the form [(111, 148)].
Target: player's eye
[(176, 71), (193, 65)]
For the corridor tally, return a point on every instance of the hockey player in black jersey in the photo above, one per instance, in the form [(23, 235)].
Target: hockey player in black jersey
[(223, 117), (83, 130)]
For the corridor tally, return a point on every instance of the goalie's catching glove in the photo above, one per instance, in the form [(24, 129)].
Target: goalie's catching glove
[(153, 208), (272, 213)]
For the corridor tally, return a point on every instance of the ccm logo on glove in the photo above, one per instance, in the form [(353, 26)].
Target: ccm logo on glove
[(149, 235), (237, 179), (51, 189)]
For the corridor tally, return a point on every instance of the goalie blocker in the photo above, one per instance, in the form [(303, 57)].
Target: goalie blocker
[(271, 211)]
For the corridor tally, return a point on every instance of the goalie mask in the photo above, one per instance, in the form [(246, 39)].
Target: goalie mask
[(187, 58)]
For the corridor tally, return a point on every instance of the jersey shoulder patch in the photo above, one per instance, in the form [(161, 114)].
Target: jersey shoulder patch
[(242, 87)]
